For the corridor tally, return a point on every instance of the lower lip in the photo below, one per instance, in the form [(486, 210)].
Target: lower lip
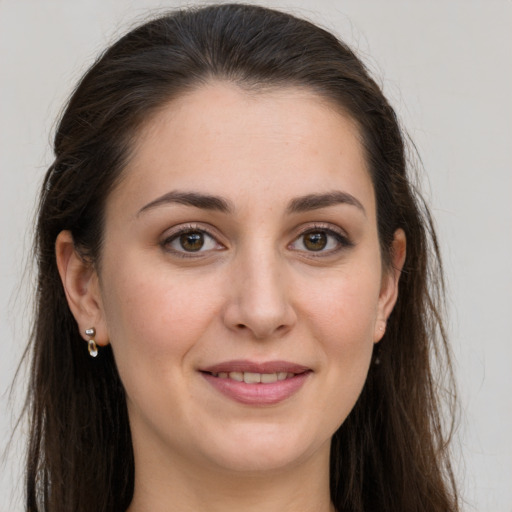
[(258, 394)]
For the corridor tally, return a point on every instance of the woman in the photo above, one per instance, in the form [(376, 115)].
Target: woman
[(239, 291)]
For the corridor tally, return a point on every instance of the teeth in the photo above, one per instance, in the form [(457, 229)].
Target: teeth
[(254, 378), (267, 378)]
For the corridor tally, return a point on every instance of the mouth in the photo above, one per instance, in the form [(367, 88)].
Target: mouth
[(254, 377), (257, 383)]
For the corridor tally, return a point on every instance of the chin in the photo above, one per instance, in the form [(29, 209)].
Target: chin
[(264, 449)]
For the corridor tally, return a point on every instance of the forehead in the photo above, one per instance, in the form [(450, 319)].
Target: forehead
[(222, 139)]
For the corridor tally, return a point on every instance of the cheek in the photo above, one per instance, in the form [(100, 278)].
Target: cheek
[(345, 309), (154, 314), (154, 321), (343, 319), (347, 336)]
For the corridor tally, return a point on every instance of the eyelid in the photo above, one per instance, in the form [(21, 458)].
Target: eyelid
[(341, 236), (173, 233)]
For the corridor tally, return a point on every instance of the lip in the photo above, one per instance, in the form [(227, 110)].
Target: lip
[(242, 365), (258, 394)]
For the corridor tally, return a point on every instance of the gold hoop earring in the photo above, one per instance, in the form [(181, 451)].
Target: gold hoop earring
[(93, 348)]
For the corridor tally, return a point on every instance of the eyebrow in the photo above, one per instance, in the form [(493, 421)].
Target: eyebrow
[(317, 201), (216, 203), (203, 201)]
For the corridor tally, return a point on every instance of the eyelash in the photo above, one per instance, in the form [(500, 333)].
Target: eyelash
[(188, 229), (342, 241)]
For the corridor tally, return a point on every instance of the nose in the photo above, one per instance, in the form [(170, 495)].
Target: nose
[(259, 297)]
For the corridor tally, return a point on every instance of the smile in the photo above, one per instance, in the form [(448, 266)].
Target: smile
[(257, 384), (255, 378)]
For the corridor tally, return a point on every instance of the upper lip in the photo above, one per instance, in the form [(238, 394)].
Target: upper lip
[(240, 365)]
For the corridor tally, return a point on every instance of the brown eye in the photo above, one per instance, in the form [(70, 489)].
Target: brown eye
[(315, 241), (323, 241), (192, 241)]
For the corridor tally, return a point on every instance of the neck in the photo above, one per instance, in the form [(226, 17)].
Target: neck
[(183, 487)]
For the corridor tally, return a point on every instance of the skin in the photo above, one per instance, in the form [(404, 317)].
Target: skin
[(254, 291)]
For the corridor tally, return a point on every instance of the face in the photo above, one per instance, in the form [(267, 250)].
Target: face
[(241, 283)]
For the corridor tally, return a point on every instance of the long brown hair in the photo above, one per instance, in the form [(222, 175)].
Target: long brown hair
[(391, 452)]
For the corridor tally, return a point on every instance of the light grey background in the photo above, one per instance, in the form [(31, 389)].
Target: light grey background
[(446, 65)]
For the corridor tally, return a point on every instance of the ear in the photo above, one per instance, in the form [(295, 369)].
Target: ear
[(389, 286), (81, 286)]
